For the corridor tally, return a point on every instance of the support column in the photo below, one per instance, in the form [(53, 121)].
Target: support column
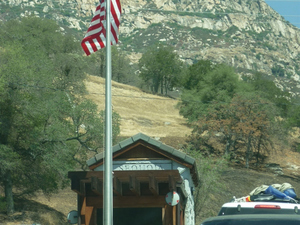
[(178, 206), (87, 214), (174, 210), (168, 219)]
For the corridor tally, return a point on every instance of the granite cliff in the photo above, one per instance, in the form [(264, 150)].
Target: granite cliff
[(246, 34)]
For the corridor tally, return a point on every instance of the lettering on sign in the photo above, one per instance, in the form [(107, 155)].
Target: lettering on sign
[(142, 166)]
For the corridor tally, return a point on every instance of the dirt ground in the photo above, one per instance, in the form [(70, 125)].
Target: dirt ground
[(156, 117)]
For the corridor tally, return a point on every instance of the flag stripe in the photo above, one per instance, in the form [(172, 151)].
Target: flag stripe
[(116, 11), (95, 37), (115, 14)]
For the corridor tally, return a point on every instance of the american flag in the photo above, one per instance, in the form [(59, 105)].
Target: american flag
[(95, 37)]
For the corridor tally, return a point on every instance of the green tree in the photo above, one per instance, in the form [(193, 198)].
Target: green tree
[(266, 88), (46, 125), (277, 70), (160, 68), (196, 73), (218, 83), (122, 68), (292, 122), (293, 119)]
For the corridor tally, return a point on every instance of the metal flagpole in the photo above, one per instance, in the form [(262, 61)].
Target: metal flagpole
[(108, 180)]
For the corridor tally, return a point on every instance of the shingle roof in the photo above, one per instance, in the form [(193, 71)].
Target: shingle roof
[(184, 158), (140, 136)]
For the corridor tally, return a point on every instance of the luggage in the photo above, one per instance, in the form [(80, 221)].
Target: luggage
[(274, 192), (278, 194)]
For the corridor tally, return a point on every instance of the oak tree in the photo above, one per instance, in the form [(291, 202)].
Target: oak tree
[(160, 68), (47, 126)]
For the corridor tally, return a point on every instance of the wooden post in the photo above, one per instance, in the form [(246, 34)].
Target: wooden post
[(168, 219), (178, 214), (182, 217), (163, 214), (79, 207), (86, 214), (174, 214)]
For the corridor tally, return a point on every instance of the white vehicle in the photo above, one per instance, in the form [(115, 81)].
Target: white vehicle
[(257, 213), (260, 202), (239, 208), (264, 206)]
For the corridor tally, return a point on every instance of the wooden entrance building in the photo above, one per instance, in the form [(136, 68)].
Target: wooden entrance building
[(145, 171)]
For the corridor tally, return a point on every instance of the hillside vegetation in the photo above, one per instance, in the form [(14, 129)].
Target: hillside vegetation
[(157, 117), (229, 113)]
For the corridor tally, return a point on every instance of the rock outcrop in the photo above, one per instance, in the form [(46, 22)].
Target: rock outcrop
[(246, 34)]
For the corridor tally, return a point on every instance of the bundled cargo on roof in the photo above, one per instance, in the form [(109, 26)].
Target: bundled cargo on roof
[(274, 192)]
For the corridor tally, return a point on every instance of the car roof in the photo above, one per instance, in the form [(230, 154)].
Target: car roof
[(285, 205), (238, 208), (277, 216), (259, 217)]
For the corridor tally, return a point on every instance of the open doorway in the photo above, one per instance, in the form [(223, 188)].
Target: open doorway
[(133, 216)]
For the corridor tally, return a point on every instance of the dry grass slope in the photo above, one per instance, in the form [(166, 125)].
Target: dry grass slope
[(152, 115), (157, 117)]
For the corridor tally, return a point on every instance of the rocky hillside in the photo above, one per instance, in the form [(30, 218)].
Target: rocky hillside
[(247, 34)]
